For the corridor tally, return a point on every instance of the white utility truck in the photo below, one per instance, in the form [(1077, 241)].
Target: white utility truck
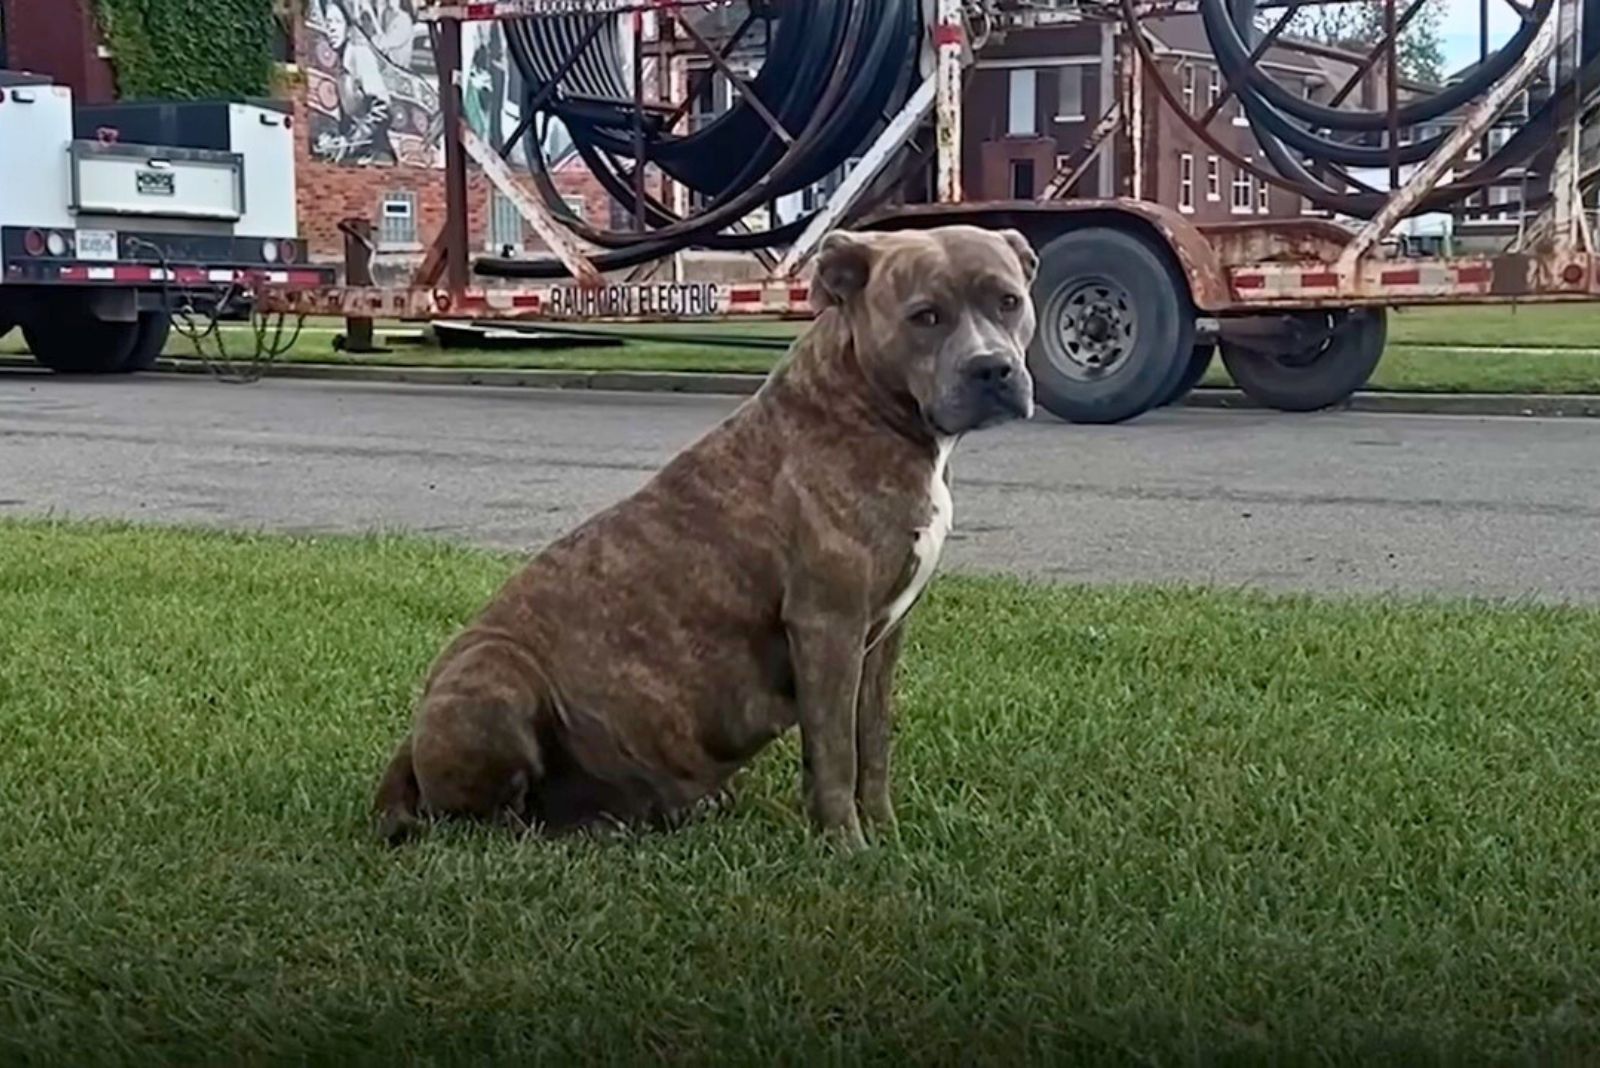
[(114, 216)]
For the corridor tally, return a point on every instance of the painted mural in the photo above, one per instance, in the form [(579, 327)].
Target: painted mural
[(373, 87)]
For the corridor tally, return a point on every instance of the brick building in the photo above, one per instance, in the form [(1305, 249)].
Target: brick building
[(1036, 95)]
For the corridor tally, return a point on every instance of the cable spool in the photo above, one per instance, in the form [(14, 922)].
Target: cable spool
[(1287, 126), (834, 71)]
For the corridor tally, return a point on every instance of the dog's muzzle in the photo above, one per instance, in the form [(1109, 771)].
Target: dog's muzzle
[(998, 387)]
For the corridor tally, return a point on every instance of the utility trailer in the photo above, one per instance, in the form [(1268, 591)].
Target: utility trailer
[(115, 217), (1133, 298)]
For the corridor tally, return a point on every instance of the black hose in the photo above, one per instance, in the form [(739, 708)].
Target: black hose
[(1223, 30), (834, 69), (1277, 132)]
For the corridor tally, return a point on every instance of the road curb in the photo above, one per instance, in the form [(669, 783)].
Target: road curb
[(1541, 405), (1531, 405), (530, 378)]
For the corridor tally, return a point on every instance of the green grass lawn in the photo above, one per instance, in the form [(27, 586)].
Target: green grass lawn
[(1138, 826), (1540, 325)]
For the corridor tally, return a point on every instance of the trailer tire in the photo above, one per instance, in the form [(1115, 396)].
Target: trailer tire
[(80, 344), (154, 329), (1116, 327), (1319, 377), (1199, 364)]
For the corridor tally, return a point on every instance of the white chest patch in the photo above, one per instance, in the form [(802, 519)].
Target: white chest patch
[(926, 546)]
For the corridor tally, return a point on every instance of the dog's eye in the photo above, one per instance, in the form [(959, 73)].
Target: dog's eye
[(1010, 302), (927, 317)]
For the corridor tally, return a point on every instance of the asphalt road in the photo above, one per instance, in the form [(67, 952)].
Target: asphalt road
[(1344, 502)]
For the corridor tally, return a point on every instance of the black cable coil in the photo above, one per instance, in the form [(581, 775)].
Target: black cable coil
[(834, 71), (1287, 125)]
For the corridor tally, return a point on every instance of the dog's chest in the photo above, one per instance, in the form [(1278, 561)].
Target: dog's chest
[(926, 546)]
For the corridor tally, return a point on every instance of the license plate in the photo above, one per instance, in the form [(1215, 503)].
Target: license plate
[(97, 244), (155, 183)]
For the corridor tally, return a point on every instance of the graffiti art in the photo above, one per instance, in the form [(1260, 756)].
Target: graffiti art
[(373, 85)]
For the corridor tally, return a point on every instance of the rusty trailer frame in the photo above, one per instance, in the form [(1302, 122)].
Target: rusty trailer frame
[(1233, 269)]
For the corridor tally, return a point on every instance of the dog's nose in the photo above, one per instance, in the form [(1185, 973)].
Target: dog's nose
[(999, 384), (991, 370)]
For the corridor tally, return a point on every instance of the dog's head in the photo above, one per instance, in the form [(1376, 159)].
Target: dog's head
[(942, 316)]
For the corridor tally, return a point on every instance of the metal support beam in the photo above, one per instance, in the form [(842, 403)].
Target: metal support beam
[(1074, 166), (740, 85), (895, 135), (573, 256), (455, 160), (1571, 233), (1107, 185), (1136, 119), (1427, 176), (949, 40)]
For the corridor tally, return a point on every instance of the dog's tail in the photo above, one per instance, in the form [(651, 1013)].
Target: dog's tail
[(399, 797)]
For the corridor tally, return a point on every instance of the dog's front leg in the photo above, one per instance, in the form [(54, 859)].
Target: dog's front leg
[(874, 726), (827, 651)]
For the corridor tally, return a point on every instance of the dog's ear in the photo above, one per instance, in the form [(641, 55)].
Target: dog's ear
[(844, 263), (1025, 254)]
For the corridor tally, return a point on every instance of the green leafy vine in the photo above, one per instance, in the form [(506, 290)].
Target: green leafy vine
[(189, 49)]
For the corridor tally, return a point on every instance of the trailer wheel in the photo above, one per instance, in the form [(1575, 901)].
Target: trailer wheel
[(1314, 376), (1199, 364), (154, 329), (80, 344), (1116, 328)]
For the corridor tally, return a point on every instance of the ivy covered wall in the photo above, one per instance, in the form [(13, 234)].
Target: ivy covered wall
[(189, 49)]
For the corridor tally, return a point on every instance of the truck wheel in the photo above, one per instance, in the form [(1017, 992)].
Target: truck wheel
[(1199, 364), (80, 344), (1116, 328), (154, 328), (1313, 376)]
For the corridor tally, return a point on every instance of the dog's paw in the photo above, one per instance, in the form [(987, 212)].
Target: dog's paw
[(846, 839)]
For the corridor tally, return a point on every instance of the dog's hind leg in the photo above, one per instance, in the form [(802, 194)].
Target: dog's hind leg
[(398, 797)]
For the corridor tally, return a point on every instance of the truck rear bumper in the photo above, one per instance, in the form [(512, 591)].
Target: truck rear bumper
[(147, 258)]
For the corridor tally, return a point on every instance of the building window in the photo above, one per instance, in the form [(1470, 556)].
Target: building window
[(1213, 178), (1501, 195), (1188, 87), (397, 222), (1242, 186), (1022, 179), (505, 224), (1214, 89), (1185, 182), (1263, 197), (1022, 114), (713, 95), (1069, 93)]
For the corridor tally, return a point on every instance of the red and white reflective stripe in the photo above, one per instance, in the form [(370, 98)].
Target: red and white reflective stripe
[(1392, 279), (761, 298), (142, 274), (518, 300)]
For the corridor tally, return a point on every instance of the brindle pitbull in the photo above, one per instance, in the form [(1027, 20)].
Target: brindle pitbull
[(759, 580)]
